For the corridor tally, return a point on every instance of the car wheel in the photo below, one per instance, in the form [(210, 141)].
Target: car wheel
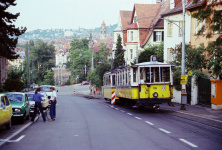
[(9, 124), (23, 119), (27, 117)]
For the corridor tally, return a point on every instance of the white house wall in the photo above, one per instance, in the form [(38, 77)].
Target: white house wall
[(170, 42)]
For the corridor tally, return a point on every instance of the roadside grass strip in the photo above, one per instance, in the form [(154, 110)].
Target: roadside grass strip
[(164, 130), (189, 143)]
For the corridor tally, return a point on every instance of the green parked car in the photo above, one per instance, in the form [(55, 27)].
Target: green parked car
[(20, 105)]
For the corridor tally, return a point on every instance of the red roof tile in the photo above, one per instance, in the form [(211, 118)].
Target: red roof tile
[(125, 18)]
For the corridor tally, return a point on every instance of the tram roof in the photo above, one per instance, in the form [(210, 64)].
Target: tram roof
[(151, 63)]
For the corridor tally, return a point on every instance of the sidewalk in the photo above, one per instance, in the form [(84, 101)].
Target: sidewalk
[(196, 111)]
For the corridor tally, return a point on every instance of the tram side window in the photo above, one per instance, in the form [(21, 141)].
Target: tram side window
[(157, 74), (126, 77), (129, 78), (147, 71), (109, 81), (121, 78), (165, 74), (114, 80), (134, 74)]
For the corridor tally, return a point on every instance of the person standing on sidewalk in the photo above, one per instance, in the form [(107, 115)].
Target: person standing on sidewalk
[(37, 97), (53, 104)]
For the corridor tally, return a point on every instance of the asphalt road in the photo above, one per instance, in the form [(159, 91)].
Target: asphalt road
[(94, 124)]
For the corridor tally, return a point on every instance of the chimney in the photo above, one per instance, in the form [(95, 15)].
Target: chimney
[(172, 4)]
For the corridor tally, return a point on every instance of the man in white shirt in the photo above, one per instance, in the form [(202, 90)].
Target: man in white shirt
[(53, 104)]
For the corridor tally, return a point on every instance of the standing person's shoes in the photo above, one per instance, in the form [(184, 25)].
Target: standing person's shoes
[(52, 120)]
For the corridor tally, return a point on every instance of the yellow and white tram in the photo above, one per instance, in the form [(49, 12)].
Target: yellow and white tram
[(143, 84)]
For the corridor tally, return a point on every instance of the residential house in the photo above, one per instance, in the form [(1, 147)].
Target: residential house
[(121, 29), (196, 25), (173, 27)]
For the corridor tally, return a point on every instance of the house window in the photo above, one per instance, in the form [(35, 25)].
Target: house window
[(169, 54), (158, 36), (170, 30), (131, 53), (181, 28), (131, 37), (200, 27)]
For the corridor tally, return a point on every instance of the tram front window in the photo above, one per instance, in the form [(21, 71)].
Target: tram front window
[(165, 74)]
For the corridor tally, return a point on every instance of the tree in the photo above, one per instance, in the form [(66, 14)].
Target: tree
[(8, 32), (119, 54), (194, 60), (42, 54), (102, 65), (14, 80), (49, 78), (144, 56), (79, 58)]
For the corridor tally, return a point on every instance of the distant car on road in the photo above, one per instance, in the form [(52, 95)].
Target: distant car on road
[(85, 83), (20, 105), (5, 111)]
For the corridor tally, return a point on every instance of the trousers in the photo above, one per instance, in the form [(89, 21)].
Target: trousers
[(39, 105), (53, 109)]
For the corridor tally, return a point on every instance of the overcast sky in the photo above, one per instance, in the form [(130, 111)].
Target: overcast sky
[(70, 14)]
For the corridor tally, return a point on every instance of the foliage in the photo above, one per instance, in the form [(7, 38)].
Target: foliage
[(79, 58), (194, 60), (49, 78), (194, 56), (14, 82), (119, 54), (144, 56), (215, 58), (42, 56), (214, 21), (8, 32), (102, 65)]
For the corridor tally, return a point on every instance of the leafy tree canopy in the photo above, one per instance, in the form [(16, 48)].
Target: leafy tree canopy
[(8, 32)]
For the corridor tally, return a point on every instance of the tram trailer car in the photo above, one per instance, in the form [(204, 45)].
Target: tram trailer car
[(142, 84)]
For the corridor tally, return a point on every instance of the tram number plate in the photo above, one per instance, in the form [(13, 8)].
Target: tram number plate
[(155, 88)]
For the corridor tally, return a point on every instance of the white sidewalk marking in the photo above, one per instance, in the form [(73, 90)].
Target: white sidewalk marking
[(138, 118), (150, 123), (16, 133), (129, 114), (21, 137), (164, 130), (189, 143)]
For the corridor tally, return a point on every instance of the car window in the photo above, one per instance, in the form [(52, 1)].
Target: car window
[(30, 97), (15, 97), (6, 101), (45, 89), (2, 102)]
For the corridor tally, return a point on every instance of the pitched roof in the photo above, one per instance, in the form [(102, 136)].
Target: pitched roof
[(125, 16), (179, 7), (132, 26), (145, 10)]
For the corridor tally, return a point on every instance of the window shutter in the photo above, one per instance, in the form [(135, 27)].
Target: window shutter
[(162, 35), (154, 36)]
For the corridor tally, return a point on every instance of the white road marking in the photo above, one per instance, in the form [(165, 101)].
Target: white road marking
[(117, 108), (189, 143), (138, 118), (150, 123), (112, 106), (20, 138), (129, 114), (164, 130), (122, 110), (16, 133)]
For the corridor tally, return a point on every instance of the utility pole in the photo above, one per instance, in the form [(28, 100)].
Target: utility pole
[(28, 67), (183, 86)]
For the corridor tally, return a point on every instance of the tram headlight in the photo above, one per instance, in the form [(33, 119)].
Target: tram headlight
[(155, 94)]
